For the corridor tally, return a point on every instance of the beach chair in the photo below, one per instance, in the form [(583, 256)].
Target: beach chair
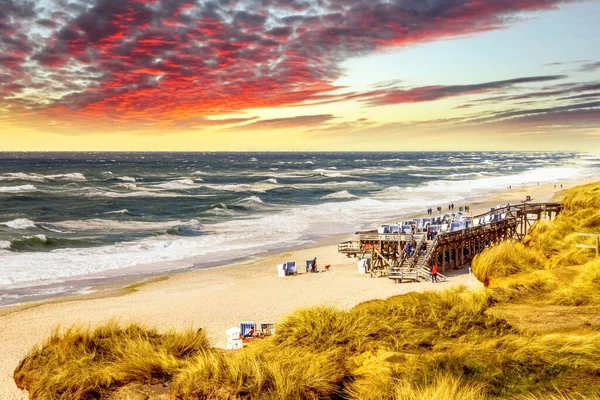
[(383, 229), (233, 339), (363, 266), (281, 270), (308, 265), (245, 328), (487, 219), (395, 229), (444, 227), (267, 328), (291, 268), (502, 216), (406, 229), (455, 226), (495, 218)]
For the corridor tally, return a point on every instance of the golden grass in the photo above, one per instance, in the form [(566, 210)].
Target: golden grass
[(81, 363), (432, 345)]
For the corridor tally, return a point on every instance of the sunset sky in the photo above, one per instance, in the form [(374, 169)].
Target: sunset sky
[(299, 75)]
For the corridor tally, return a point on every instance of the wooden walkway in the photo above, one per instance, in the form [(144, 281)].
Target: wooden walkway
[(449, 250)]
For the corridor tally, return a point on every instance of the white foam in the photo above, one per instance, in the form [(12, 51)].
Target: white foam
[(123, 211), (17, 189), (176, 184), (126, 178), (10, 176), (19, 223), (4, 245), (74, 176), (344, 194)]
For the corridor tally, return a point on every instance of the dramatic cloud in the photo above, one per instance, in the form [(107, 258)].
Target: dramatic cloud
[(431, 93), (148, 62)]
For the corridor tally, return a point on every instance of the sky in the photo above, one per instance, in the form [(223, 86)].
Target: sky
[(305, 75)]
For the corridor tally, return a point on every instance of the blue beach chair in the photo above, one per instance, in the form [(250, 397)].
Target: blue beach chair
[(291, 268), (245, 328)]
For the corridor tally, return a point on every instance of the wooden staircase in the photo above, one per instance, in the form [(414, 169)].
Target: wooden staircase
[(416, 268)]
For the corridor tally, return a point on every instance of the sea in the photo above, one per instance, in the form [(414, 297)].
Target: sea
[(72, 221)]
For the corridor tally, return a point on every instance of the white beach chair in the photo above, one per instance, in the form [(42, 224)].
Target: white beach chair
[(281, 270), (233, 339)]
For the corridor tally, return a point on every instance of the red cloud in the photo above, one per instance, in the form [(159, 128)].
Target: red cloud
[(166, 60)]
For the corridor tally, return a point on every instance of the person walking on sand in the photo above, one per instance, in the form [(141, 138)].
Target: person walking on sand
[(434, 272), (314, 265)]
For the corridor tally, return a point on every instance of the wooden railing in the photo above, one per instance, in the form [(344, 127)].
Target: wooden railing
[(590, 246)]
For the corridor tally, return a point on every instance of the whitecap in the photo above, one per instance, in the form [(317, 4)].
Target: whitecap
[(344, 194), (10, 176), (19, 223), (17, 189), (123, 211), (5, 245), (176, 184), (74, 176), (125, 178)]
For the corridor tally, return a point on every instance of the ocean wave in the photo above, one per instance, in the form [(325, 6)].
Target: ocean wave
[(75, 176), (130, 186), (123, 211), (46, 243), (125, 178), (21, 176), (344, 194), (19, 223), (176, 184), (190, 228), (258, 187), (104, 225), (251, 203), (52, 228), (137, 193), (17, 189), (4, 245)]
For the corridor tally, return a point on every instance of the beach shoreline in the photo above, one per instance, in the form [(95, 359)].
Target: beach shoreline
[(218, 298), (122, 281)]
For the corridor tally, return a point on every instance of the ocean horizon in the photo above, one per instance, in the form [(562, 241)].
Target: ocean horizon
[(72, 220)]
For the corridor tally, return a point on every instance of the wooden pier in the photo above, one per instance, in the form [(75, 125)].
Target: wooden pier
[(449, 250)]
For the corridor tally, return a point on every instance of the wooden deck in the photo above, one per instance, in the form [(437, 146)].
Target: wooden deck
[(449, 250)]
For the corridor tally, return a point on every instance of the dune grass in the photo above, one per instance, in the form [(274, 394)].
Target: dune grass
[(433, 345)]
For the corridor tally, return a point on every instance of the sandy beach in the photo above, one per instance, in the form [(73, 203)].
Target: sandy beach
[(218, 298)]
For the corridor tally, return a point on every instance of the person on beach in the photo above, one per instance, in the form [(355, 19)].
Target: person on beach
[(434, 272), (313, 266), (407, 250)]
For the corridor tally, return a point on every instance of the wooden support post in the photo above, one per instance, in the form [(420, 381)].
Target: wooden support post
[(444, 259)]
